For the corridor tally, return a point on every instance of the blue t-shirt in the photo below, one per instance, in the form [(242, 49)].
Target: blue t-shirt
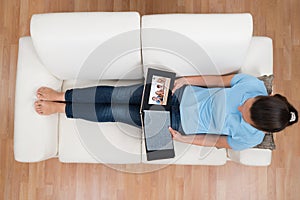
[(215, 111)]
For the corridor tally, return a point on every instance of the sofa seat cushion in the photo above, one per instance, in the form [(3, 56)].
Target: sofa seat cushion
[(90, 142)]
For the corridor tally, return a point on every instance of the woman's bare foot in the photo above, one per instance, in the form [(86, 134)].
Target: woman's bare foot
[(48, 107), (48, 94)]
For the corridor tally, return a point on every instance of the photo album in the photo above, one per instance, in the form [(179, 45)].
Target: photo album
[(155, 114)]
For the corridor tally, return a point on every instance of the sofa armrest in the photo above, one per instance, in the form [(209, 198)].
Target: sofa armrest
[(259, 59), (251, 157), (35, 136)]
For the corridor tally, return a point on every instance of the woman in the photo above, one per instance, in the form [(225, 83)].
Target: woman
[(231, 111)]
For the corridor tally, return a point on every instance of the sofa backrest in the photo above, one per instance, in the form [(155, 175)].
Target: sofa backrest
[(89, 46), (107, 45), (192, 44), (259, 60)]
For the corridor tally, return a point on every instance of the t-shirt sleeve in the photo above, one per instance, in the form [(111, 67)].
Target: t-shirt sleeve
[(242, 78), (244, 83), (242, 143)]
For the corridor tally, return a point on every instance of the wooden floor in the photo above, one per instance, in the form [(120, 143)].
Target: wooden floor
[(278, 19)]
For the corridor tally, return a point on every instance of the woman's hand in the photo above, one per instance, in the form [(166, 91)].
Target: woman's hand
[(176, 135), (179, 83)]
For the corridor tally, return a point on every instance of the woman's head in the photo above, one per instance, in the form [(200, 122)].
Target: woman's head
[(272, 113)]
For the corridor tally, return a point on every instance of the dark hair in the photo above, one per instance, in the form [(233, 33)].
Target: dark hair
[(272, 113)]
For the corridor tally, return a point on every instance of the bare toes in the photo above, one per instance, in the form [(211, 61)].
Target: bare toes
[(41, 90), (37, 106), (48, 107), (39, 96), (39, 93), (49, 94)]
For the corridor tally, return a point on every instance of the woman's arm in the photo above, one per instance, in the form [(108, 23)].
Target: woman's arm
[(208, 81), (201, 140)]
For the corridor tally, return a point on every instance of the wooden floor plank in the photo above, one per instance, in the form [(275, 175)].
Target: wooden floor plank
[(278, 19)]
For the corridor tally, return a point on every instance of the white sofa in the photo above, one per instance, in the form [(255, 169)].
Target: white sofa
[(68, 50)]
